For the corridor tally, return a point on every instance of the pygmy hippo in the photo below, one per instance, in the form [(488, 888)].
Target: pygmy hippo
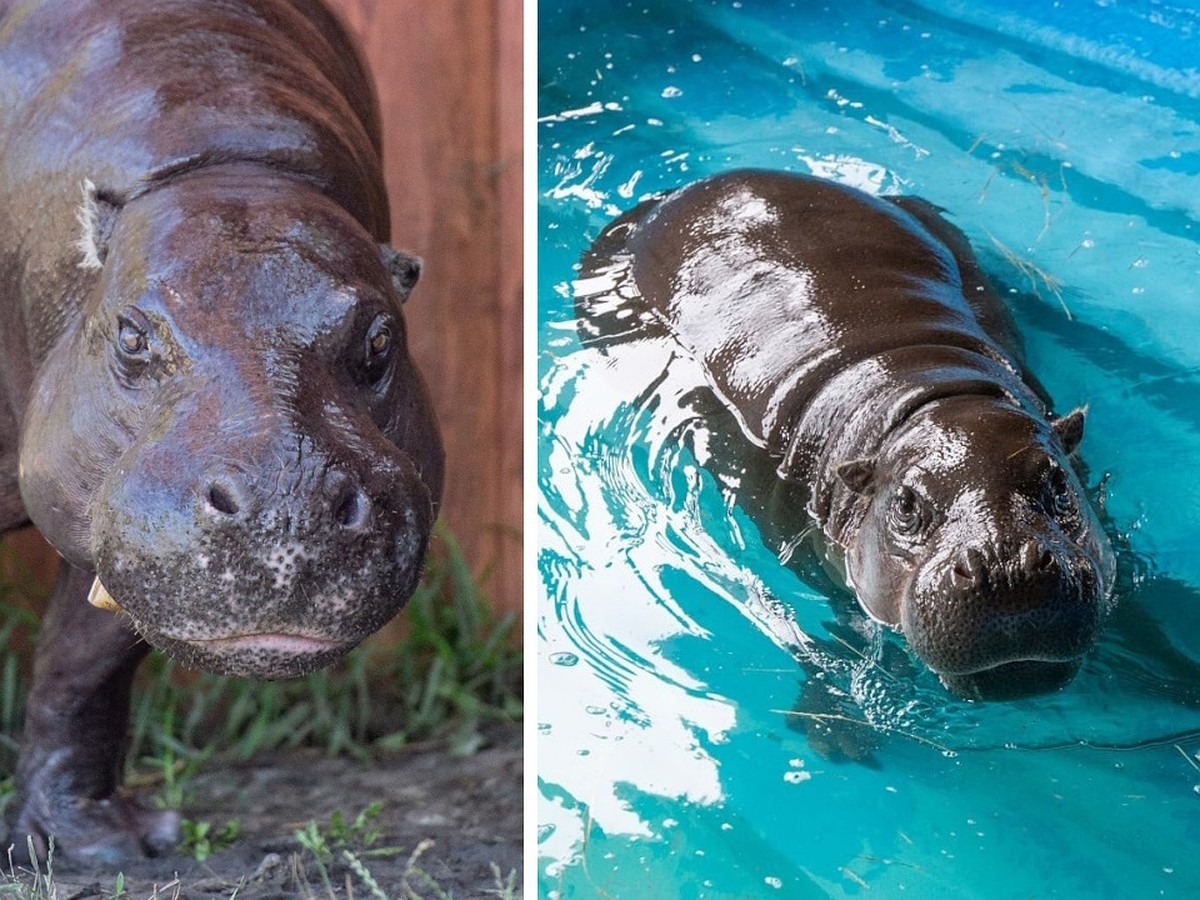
[(861, 350), (206, 402)]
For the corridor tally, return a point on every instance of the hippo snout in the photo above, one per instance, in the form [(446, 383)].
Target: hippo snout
[(228, 499), (261, 570), (1005, 622), (973, 567)]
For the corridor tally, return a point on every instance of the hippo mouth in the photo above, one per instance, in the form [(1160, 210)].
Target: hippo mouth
[(265, 655), (261, 654), (1012, 680), (1007, 629), (272, 642)]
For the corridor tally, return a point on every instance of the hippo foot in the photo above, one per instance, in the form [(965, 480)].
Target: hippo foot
[(106, 831), (833, 725)]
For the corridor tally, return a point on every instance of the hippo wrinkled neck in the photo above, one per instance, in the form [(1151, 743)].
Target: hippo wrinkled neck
[(205, 165), (855, 412)]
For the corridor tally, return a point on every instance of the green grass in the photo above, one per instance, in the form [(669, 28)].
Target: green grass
[(358, 835), (200, 840), (351, 842), (37, 883), (454, 672)]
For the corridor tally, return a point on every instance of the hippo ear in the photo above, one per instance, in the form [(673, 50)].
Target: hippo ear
[(97, 215), (857, 474), (404, 269), (1069, 428)]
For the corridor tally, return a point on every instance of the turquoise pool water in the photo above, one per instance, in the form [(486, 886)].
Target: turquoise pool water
[(1064, 139)]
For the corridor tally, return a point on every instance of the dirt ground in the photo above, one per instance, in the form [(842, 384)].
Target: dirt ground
[(459, 817)]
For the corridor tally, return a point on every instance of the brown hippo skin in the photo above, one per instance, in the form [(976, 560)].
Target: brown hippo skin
[(205, 394), (861, 350)]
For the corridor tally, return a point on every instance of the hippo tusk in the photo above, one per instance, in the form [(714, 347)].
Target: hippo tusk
[(100, 598)]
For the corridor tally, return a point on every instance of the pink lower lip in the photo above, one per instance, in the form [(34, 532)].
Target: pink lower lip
[(290, 644)]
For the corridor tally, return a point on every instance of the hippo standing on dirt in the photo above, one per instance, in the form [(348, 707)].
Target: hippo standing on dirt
[(861, 350), (206, 402)]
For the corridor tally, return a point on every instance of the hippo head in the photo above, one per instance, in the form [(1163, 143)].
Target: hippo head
[(232, 434), (975, 538)]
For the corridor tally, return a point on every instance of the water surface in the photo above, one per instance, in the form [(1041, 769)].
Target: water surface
[(1064, 139)]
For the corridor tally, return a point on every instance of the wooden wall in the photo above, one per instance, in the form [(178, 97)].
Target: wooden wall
[(449, 81)]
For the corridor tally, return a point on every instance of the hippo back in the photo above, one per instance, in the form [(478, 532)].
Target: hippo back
[(861, 279)]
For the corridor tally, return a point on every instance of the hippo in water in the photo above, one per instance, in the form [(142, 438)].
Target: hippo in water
[(206, 402), (865, 357)]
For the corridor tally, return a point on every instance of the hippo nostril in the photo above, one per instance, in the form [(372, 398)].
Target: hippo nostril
[(222, 499), (350, 509), (1035, 557), (968, 569)]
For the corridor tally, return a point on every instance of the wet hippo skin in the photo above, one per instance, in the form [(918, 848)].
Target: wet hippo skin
[(866, 358), (206, 402)]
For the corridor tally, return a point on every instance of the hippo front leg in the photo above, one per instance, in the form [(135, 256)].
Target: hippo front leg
[(73, 751)]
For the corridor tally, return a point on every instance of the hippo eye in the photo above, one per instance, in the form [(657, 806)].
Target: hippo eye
[(133, 339), (378, 347), (1059, 498), (906, 514), (381, 341)]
